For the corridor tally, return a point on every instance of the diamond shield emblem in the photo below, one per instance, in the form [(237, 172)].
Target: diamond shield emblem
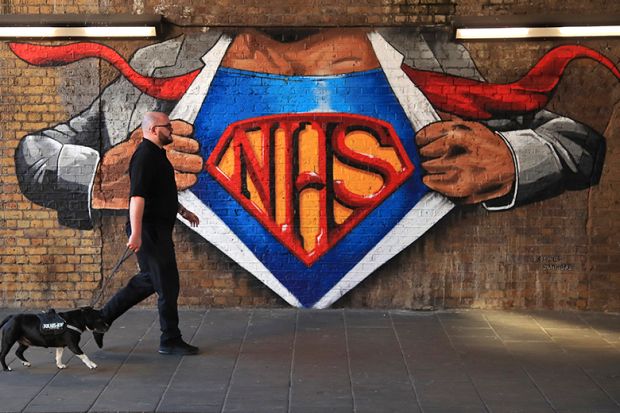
[(309, 179), (310, 183)]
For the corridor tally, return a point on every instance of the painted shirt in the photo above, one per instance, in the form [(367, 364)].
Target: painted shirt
[(283, 178)]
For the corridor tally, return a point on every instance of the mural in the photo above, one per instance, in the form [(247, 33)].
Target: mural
[(313, 157)]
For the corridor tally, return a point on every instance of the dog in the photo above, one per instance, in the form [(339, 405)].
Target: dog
[(51, 329)]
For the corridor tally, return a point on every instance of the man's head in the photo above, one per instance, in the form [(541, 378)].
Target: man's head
[(156, 128)]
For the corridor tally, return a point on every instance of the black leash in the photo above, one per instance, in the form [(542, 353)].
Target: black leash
[(120, 262)]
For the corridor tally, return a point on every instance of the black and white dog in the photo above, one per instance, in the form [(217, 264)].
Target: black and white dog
[(51, 329)]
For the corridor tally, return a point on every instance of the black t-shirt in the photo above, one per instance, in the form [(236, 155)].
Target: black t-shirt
[(152, 178)]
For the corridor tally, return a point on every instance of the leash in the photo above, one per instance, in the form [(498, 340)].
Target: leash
[(120, 262)]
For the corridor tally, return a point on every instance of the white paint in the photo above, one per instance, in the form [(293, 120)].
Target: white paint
[(187, 108), (416, 106)]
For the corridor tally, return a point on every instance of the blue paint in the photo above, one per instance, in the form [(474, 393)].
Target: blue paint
[(237, 95)]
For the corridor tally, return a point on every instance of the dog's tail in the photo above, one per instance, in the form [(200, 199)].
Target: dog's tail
[(6, 320)]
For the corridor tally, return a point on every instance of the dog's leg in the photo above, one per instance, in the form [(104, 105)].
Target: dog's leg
[(3, 354), (78, 352), (20, 354), (9, 337), (59, 364), (6, 347), (87, 361)]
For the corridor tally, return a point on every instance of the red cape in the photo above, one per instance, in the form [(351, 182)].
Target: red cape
[(463, 97)]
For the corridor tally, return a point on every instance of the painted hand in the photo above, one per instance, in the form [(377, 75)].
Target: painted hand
[(111, 186), (191, 217), (465, 161), (184, 155)]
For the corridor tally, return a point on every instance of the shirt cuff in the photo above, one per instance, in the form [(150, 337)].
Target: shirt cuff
[(77, 166), (535, 162)]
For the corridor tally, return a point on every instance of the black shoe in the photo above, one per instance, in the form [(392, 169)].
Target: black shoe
[(98, 333), (178, 348)]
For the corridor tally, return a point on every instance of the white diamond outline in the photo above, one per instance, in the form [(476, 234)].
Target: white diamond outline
[(425, 214)]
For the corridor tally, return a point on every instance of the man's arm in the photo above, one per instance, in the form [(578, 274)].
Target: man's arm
[(504, 163), (551, 154), (56, 167), (136, 212)]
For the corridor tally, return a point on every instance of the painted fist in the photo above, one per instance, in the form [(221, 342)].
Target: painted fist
[(465, 161), (111, 186)]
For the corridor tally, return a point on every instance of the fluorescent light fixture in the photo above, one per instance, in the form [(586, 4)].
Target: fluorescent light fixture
[(78, 31), (526, 27), (536, 32), (80, 26)]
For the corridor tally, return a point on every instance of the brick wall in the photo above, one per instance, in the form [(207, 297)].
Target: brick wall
[(556, 253)]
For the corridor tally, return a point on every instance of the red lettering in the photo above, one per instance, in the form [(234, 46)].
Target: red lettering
[(289, 159)]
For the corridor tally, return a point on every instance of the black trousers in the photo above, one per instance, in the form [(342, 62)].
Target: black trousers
[(158, 273)]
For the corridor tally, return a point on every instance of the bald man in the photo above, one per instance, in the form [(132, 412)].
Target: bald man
[(153, 206)]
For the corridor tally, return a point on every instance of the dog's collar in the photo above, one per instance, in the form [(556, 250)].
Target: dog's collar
[(70, 327)]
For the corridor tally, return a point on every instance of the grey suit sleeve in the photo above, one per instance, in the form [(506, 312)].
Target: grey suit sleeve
[(551, 154), (55, 167)]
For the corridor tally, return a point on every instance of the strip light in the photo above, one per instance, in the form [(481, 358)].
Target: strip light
[(122, 31), (46, 26), (536, 32)]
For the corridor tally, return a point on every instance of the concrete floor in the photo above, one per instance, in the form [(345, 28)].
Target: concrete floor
[(335, 361)]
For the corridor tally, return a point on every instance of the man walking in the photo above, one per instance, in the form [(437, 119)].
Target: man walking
[(153, 206)]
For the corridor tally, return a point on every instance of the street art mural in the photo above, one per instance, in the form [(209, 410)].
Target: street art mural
[(313, 157)]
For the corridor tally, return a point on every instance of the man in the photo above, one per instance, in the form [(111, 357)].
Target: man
[(153, 206)]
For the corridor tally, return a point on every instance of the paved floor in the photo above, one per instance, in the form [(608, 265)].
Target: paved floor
[(336, 361)]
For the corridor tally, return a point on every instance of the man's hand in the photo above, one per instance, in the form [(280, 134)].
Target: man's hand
[(111, 186), (465, 161), (135, 242)]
